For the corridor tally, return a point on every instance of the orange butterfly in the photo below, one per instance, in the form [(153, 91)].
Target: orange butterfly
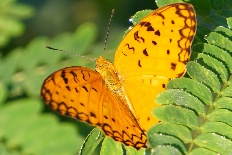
[(119, 97)]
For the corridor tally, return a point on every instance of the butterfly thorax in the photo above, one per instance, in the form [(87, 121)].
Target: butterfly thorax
[(112, 79), (109, 73)]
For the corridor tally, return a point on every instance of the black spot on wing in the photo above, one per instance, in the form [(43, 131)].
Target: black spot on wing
[(74, 76), (85, 88), (145, 52), (105, 117), (173, 66), (63, 73), (137, 37), (76, 90), (94, 89), (180, 74), (83, 75), (154, 42), (149, 26), (92, 114), (159, 14), (139, 63), (68, 88), (157, 33), (142, 23), (130, 49), (163, 85)]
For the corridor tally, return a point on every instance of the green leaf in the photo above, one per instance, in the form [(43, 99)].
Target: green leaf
[(213, 65), (161, 139), (181, 98), (224, 31), (202, 151), (109, 146), (227, 91), (193, 87), (223, 103), (133, 151), (219, 40), (214, 142), (177, 115), (217, 127), (175, 130), (161, 3), (229, 21), (91, 142), (139, 16), (221, 115), (204, 75), (215, 52), (3, 93), (165, 150)]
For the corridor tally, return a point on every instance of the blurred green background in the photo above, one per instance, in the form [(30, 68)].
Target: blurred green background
[(27, 126)]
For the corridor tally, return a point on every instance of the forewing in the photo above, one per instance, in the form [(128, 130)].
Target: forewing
[(80, 93), (153, 52)]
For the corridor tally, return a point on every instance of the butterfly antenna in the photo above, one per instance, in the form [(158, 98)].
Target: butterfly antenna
[(108, 29), (72, 53)]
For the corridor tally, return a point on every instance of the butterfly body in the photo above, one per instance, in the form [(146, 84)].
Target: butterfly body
[(119, 97)]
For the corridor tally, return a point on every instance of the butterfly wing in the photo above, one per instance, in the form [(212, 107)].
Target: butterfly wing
[(80, 93), (152, 53)]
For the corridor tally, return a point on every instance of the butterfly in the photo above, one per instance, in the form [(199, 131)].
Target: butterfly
[(119, 97)]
